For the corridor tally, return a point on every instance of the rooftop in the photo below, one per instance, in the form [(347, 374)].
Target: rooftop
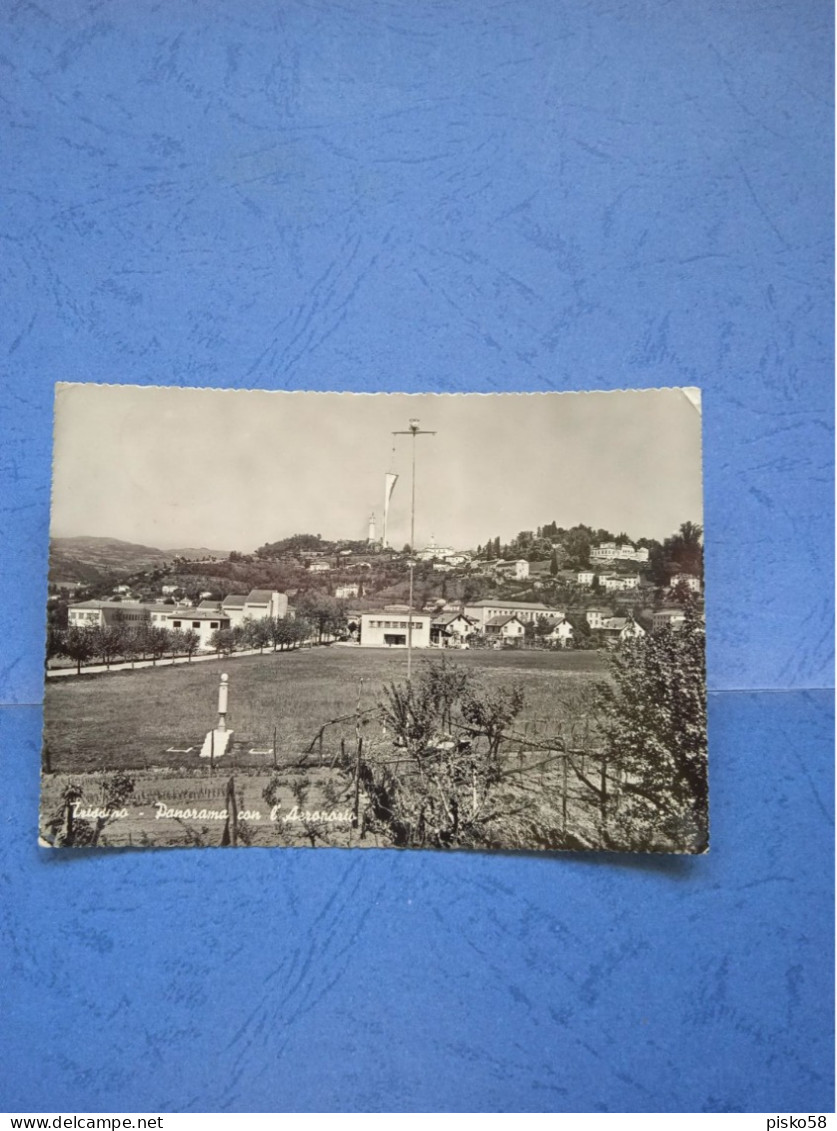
[(259, 597)]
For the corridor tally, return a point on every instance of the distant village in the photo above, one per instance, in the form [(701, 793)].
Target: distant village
[(548, 588)]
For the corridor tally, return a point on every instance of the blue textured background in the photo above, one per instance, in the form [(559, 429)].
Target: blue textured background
[(447, 195)]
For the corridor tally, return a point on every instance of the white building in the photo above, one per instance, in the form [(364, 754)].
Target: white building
[(389, 630), (597, 615), (506, 628), (561, 634), (691, 582), (343, 592), (517, 570), (451, 630), (203, 622), (433, 552), (483, 611), (256, 605), (585, 576), (668, 618), (619, 581)]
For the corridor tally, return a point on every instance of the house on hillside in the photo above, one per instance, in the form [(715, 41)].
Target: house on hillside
[(433, 552), (597, 615), (514, 571), (319, 565), (619, 581), (671, 617), (585, 577), (344, 592), (691, 582)]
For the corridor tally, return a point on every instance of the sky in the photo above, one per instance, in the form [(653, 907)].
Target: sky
[(233, 469)]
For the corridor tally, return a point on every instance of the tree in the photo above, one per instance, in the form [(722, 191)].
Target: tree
[(577, 544), (654, 724), (54, 643), (78, 646), (155, 642), (176, 642), (191, 643), (553, 564), (223, 641), (446, 789)]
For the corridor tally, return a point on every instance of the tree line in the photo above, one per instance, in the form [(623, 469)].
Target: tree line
[(107, 644)]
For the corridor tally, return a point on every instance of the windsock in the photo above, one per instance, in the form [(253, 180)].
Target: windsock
[(390, 480)]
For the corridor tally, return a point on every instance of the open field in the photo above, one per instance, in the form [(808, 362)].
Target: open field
[(132, 719), (151, 723)]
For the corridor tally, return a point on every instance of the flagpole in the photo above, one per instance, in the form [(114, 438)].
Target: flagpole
[(413, 431)]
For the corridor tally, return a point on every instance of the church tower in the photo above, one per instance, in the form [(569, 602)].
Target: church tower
[(370, 537)]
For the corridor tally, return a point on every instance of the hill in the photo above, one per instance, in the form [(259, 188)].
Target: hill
[(91, 560)]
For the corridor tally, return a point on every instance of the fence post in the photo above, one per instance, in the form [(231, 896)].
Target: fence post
[(230, 834), (356, 808)]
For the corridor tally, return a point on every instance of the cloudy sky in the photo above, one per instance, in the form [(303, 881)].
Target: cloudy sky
[(175, 467)]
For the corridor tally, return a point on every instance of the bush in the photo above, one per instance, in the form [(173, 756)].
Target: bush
[(654, 722)]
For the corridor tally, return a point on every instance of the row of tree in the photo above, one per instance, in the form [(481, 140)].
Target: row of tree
[(107, 644)]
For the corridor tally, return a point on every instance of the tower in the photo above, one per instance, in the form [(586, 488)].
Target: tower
[(370, 538)]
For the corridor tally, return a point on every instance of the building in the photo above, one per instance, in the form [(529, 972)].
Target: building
[(585, 577), (433, 552), (691, 582), (451, 630), (99, 614), (319, 565), (560, 635), (597, 615), (619, 581), (203, 622), (344, 592), (505, 628), (621, 628), (525, 611), (389, 630), (611, 552), (258, 604), (604, 552), (516, 571), (667, 618)]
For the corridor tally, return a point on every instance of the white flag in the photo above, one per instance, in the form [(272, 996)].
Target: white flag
[(390, 480)]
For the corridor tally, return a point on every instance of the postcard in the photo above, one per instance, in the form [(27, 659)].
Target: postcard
[(460, 621)]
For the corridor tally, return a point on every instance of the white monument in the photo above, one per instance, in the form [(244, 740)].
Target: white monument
[(217, 741)]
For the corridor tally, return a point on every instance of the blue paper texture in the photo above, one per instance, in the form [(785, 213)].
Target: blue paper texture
[(445, 196)]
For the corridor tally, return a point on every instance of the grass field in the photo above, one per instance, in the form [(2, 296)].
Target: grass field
[(151, 723), (131, 719)]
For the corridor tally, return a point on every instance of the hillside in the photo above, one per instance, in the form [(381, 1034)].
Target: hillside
[(92, 560)]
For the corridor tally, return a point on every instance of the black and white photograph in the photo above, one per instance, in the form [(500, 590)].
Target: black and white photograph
[(444, 621)]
